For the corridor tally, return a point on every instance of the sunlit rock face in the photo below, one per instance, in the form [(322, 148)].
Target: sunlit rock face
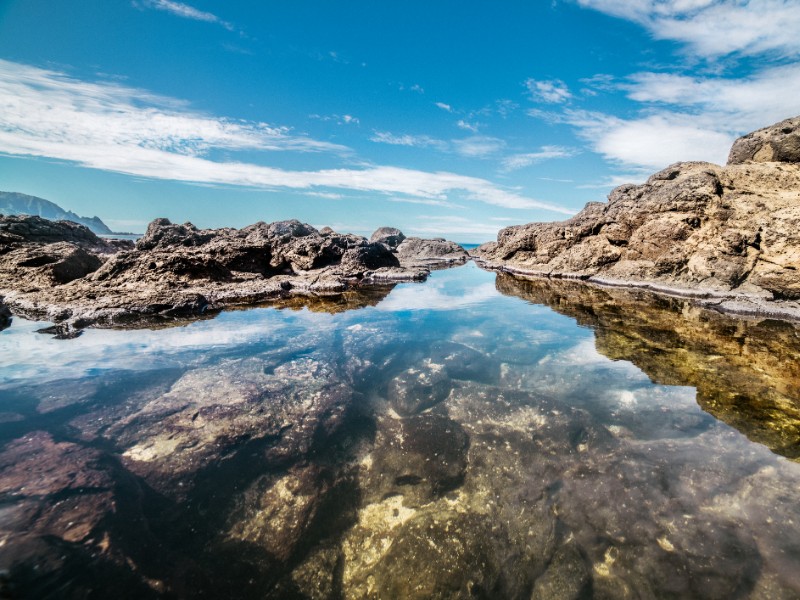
[(730, 232), (746, 372)]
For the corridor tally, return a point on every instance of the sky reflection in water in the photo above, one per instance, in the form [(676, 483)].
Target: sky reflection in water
[(478, 439)]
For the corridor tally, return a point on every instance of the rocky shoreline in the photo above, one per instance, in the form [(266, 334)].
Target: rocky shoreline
[(727, 237), (60, 271)]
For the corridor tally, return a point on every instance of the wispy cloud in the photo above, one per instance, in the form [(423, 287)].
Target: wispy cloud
[(115, 128), (454, 226), (688, 118), (519, 161), (462, 124), (652, 141), (714, 28), (414, 141), (552, 91), (427, 202), (478, 146), (444, 106), (184, 10), (338, 119)]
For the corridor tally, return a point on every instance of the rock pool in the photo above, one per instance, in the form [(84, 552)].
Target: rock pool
[(477, 435)]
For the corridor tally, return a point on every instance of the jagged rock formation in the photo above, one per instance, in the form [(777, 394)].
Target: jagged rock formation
[(62, 272), (729, 234), (14, 203)]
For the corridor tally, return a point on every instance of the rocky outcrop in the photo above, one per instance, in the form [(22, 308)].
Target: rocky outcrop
[(777, 143), (431, 252), (390, 236), (728, 234), (62, 272)]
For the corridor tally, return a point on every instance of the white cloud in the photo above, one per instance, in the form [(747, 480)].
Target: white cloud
[(462, 124), (414, 141), (426, 202), (114, 128), (689, 118), (338, 119), (185, 11), (747, 103), (434, 296), (552, 91), (478, 146), (453, 227), (417, 88), (714, 28), (444, 106), (471, 147), (653, 141), (519, 161)]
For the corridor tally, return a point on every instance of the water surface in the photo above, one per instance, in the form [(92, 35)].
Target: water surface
[(473, 436)]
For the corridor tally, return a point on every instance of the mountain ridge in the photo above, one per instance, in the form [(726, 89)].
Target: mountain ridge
[(17, 203)]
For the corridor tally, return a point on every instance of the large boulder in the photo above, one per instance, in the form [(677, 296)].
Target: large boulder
[(776, 143), (390, 236), (419, 251)]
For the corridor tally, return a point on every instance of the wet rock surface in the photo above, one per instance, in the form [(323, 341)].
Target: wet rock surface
[(728, 235), (281, 468), (61, 271), (5, 315)]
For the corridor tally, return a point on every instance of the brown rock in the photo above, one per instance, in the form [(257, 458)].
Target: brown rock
[(418, 251), (61, 271), (694, 229), (390, 236), (776, 143)]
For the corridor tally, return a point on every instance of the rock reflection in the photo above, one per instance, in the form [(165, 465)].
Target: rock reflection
[(746, 371), (484, 452)]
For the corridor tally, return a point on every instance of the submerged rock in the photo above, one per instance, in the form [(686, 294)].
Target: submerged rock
[(729, 233)]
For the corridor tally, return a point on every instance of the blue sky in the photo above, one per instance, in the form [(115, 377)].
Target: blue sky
[(451, 118)]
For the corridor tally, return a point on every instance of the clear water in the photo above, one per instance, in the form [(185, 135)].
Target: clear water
[(473, 436)]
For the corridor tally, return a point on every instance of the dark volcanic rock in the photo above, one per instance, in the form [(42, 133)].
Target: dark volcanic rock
[(61, 271), (776, 143), (5, 315), (388, 235), (418, 388), (418, 251), (67, 510), (371, 257), (421, 457), (24, 228), (443, 558), (696, 229)]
